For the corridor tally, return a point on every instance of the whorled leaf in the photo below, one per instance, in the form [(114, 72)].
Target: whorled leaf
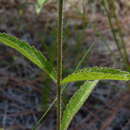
[(76, 102), (97, 73), (29, 52)]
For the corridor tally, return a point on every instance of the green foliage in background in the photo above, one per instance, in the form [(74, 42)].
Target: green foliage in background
[(110, 9), (39, 5)]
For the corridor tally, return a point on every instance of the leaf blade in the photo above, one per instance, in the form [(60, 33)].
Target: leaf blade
[(97, 73), (76, 102), (29, 52)]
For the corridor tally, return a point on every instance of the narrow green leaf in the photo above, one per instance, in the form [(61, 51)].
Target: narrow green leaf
[(39, 5), (29, 52), (97, 73), (76, 102), (41, 2)]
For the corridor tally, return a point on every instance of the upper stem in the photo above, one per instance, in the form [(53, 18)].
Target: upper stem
[(59, 61)]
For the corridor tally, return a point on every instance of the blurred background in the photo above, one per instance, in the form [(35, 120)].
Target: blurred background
[(94, 31)]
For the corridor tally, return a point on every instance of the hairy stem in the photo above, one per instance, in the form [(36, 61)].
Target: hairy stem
[(59, 61)]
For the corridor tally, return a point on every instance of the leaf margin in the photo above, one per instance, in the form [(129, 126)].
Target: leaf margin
[(96, 73), (69, 112)]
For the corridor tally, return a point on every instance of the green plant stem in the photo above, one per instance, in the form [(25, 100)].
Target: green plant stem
[(40, 120), (63, 88), (120, 43), (111, 26), (59, 61), (84, 56), (126, 59)]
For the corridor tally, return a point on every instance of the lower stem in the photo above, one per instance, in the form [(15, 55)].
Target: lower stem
[(59, 108)]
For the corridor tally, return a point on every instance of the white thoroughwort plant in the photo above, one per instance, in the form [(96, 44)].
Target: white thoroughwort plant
[(92, 73)]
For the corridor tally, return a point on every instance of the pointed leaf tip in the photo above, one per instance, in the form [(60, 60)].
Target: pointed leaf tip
[(97, 73)]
